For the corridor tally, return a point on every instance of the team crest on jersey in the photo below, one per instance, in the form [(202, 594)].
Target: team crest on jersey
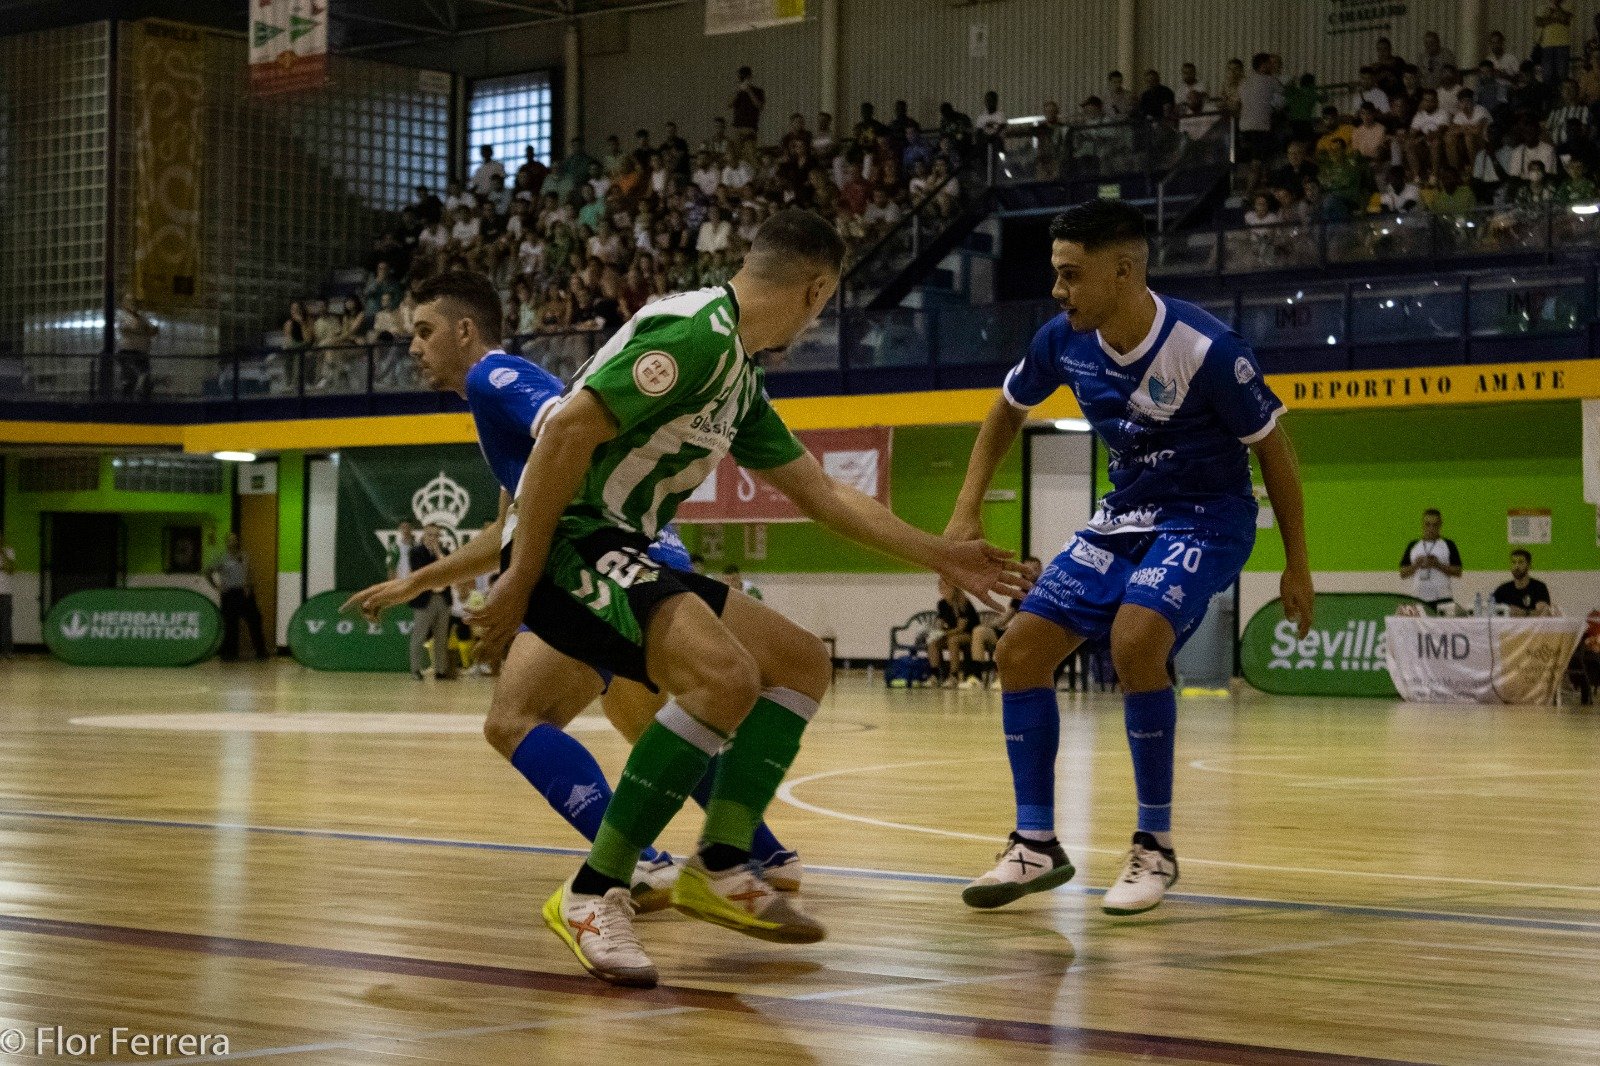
[(655, 373), (1162, 391), (1242, 370), (502, 377)]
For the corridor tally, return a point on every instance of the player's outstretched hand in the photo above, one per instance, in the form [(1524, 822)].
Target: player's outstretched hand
[(986, 572), (373, 600), (497, 620), (1299, 598)]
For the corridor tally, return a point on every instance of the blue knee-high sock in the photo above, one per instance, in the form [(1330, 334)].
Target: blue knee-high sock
[(1033, 733), (1152, 721), (765, 845), (567, 776)]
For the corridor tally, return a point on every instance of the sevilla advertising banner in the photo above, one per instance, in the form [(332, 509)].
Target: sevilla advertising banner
[(857, 457), (288, 45)]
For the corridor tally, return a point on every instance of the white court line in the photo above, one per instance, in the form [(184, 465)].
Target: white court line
[(786, 793)]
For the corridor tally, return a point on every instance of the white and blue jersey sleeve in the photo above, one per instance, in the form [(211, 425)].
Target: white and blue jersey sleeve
[(1031, 381), (510, 398), (1237, 391)]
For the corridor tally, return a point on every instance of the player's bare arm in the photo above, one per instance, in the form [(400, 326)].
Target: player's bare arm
[(480, 555), (979, 568), (1281, 473), (554, 475), (995, 438)]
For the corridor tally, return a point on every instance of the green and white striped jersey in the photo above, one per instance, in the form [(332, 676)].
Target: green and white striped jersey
[(684, 394)]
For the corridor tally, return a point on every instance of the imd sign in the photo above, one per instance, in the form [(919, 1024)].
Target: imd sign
[(323, 639), (133, 627), (1345, 654)]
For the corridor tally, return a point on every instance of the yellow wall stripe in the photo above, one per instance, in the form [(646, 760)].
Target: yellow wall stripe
[(1426, 386)]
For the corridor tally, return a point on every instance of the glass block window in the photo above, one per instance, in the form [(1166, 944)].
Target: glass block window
[(510, 114), (167, 473)]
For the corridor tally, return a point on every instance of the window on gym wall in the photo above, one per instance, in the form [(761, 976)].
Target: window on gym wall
[(510, 114)]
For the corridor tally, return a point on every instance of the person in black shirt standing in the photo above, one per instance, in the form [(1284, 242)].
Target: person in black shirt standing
[(1523, 595), (430, 613), (950, 638)]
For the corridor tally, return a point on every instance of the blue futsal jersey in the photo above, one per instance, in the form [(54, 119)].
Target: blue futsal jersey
[(510, 399), (1175, 413)]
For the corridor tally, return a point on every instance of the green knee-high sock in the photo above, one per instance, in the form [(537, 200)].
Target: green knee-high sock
[(669, 759), (754, 765)]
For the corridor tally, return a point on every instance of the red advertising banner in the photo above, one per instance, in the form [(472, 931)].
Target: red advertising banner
[(857, 457)]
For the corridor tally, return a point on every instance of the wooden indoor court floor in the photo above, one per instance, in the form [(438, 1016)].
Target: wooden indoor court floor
[(333, 869)]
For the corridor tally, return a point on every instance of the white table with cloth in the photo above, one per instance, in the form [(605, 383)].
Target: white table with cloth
[(1480, 659)]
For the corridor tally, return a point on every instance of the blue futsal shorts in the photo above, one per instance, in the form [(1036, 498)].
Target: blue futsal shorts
[(1174, 573)]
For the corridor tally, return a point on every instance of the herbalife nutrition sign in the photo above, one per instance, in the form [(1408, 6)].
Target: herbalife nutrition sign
[(323, 639), (1343, 655), (133, 627)]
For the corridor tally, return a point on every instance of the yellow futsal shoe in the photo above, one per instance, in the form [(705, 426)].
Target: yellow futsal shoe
[(652, 883), (599, 930), (740, 900)]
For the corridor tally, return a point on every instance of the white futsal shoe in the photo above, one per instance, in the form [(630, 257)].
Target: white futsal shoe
[(652, 883), (783, 871), (599, 930), (1150, 870), (1025, 866)]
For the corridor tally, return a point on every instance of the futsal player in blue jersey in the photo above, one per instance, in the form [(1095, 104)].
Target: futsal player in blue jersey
[(1180, 402), (539, 691)]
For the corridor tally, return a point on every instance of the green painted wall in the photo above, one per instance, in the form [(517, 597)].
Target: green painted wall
[(291, 512), (926, 470), (146, 515), (1369, 474)]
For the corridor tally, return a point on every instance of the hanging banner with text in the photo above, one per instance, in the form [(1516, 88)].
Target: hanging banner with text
[(857, 457), (288, 45), (736, 16), (168, 150)]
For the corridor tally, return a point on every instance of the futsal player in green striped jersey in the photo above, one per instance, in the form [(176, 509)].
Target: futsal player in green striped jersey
[(646, 422)]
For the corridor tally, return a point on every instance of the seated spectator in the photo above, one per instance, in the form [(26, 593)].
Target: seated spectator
[(1506, 64), (1371, 139), (1425, 146), (950, 637), (1580, 145), (1533, 146), (985, 638), (1341, 176), (1399, 195), (1195, 120), (854, 192), (1527, 94), (881, 215), (1262, 212), (955, 125), (1332, 127), (1579, 187), (1450, 197), (1488, 175), (1435, 60), (715, 232), (1232, 81), (1155, 97), (738, 173), (1189, 83), (1488, 88), (326, 326), (380, 284), (1523, 596), (428, 207), (1468, 130), (1367, 92), (464, 233), (1569, 108), (1536, 190), (707, 174), (1119, 102), (498, 196), (1296, 169), (593, 209), (456, 198), (1388, 68), (823, 141)]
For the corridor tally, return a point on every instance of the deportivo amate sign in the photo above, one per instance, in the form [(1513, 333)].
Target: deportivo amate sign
[(133, 627)]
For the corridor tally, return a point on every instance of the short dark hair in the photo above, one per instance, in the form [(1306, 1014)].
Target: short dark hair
[(794, 236), (1097, 223), (1527, 556), (1433, 511), (745, 72), (475, 292), (1260, 59)]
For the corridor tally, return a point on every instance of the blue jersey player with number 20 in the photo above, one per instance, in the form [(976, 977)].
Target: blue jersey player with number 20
[(1180, 403)]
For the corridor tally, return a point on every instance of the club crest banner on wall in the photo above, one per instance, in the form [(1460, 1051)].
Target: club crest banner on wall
[(449, 487), (857, 457), (288, 45), (736, 16)]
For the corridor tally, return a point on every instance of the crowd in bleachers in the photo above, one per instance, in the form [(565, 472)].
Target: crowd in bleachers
[(582, 245)]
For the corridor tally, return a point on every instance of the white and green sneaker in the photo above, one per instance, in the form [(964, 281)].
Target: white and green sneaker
[(652, 883), (599, 930), (1148, 873), (1025, 867)]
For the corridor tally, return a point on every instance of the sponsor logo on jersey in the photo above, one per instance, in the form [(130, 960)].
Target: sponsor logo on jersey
[(502, 377), (1149, 576), (1162, 392), (1174, 596), (655, 373), (1242, 370), (1082, 551)]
